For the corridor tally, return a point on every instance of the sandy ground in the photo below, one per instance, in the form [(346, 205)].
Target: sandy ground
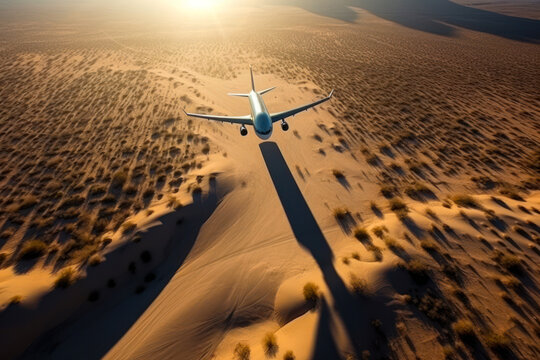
[(410, 200)]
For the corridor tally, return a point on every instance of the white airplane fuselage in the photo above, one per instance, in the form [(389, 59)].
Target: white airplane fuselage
[(262, 123)]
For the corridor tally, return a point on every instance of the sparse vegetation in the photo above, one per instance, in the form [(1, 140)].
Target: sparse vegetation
[(242, 351), (289, 355), (465, 201), (361, 234), (65, 278), (32, 249), (311, 293), (270, 344), (358, 285), (465, 330), (341, 213)]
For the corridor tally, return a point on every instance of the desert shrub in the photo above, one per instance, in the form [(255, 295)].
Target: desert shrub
[(346, 260), (338, 174), (270, 344), (429, 246), (32, 249), (400, 208), (206, 149), (379, 230), (449, 352), (377, 253), (388, 191), (15, 300), (465, 201), (434, 307), (355, 255), (66, 278), (431, 213), (128, 227), (340, 213), (242, 351), (197, 190), (497, 342), (392, 244), (511, 282), (511, 263), (465, 330), (95, 260), (289, 355), (311, 292), (358, 285), (119, 178), (418, 270), (361, 234), (511, 194)]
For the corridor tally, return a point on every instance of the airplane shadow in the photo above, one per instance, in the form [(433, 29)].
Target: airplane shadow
[(433, 16), (309, 235)]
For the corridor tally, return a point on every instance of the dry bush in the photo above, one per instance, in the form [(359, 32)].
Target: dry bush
[(340, 213), (270, 344), (32, 249), (498, 343), (95, 260), (289, 355), (311, 293), (361, 234), (338, 174), (465, 201), (399, 208), (511, 263), (418, 270), (429, 245), (379, 230), (392, 243), (242, 351), (128, 227), (358, 285), (65, 278), (465, 330)]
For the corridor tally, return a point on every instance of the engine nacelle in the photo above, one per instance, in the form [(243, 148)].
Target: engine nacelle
[(284, 126), (243, 130)]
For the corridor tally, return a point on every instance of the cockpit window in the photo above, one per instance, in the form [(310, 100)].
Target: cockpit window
[(263, 124)]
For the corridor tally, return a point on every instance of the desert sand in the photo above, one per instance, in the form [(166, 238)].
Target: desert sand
[(399, 220)]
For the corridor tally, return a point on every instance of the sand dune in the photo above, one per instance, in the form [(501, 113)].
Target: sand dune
[(399, 220)]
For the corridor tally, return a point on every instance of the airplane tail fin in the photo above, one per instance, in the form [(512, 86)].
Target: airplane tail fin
[(252, 81)]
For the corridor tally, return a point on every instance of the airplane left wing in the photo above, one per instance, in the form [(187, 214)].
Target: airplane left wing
[(244, 120), (285, 114)]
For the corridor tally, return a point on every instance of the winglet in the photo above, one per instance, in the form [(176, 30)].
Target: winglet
[(252, 81)]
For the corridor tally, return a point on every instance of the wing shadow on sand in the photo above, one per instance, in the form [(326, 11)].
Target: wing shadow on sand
[(90, 335), (433, 16), (309, 235)]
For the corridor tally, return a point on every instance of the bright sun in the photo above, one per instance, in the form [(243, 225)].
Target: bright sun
[(201, 4)]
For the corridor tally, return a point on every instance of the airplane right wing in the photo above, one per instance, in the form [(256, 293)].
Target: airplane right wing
[(285, 114), (244, 120)]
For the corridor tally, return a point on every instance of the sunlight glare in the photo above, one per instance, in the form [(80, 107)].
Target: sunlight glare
[(201, 4)]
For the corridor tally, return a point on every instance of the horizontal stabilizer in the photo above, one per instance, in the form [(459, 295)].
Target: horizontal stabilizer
[(241, 95), (266, 90)]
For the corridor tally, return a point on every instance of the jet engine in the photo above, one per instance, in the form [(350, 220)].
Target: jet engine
[(243, 130), (284, 126)]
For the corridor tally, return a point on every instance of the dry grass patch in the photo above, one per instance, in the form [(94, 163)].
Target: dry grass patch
[(361, 234), (65, 278), (242, 351), (270, 344), (32, 249), (311, 292), (465, 201)]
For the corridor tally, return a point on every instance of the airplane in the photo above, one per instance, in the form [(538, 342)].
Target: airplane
[(260, 118)]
